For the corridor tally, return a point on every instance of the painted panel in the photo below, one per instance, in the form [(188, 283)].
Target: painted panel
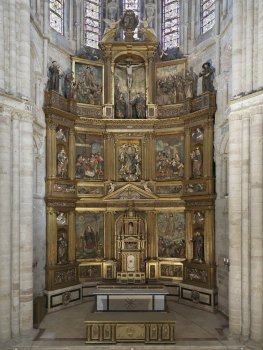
[(171, 235), (90, 235)]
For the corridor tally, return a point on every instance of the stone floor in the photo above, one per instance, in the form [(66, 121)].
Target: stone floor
[(195, 329)]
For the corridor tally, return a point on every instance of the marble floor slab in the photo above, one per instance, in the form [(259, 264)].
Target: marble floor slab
[(64, 330)]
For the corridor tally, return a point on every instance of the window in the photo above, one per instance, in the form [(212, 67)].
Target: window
[(56, 13), (131, 5), (170, 23), (207, 15), (92, 22)]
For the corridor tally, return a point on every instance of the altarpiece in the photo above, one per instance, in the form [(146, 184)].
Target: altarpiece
[(130, 183)]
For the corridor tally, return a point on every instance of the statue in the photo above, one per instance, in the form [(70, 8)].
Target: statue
[(54, 76), (208, 76), (196, 157), (62, 164), (139, 107), (198, 247), (147, 31), (112, 8), (150, 13), (68, 81), (145, 186), (62, 248), (191, 84), (120, 107), (111, 31), (111, 188), (60, 136)]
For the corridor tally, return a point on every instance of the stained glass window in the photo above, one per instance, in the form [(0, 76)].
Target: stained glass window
[(92, 22), (170, 23), (56, 13), (207, 15), (133, 5)]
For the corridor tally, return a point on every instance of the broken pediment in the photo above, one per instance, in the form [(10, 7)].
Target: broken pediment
[(131, 191)]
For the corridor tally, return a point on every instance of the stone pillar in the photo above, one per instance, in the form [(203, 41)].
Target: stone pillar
[(235, 223), (2, 47), (26, 223), (15, 224), (5, 223), (248, 49), (256, 196), (260, 46), (237, 46), (24, 53), (245, 234)]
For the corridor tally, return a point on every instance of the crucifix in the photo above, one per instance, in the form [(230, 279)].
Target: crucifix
[(129, 67)]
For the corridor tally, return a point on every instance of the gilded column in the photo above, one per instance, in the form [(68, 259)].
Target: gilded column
[(51, 236), (189, 234), (109, 235), (208, 150), (71, 237), (152, 235), (188, 167), (109, 156), (151, 85), (5, 223), (107, 79), (51, 149), (72, 154), (256, 197), (234, 222), (209, 237)]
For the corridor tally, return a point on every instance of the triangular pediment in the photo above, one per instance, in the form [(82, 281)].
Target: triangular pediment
[(130, 191)]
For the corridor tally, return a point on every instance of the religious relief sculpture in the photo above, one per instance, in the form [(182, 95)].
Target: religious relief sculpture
[(62, 163), (198, 135), (111, 187), (197, 162), (198, 247), (129, 22), (198, 218), (130, 90), (130, 162), (62, 247), (207, 74), (55, 75)]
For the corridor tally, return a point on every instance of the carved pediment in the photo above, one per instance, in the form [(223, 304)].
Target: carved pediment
[(130, 191)]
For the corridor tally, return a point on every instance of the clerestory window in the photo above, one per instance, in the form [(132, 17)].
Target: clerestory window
[(56, 15), (170, 23), (92, 20), (207, 15)]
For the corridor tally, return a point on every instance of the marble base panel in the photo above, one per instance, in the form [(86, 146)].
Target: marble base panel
[(65, 297), (201, 298), (118, 327)]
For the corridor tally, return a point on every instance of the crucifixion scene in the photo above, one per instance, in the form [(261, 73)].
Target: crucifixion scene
[(129, 86)]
